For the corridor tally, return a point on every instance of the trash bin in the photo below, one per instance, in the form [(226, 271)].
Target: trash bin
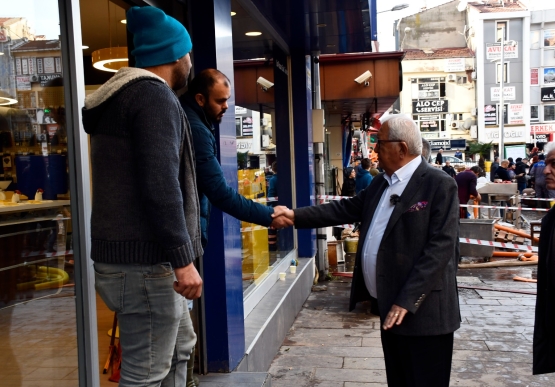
[(488, 166)]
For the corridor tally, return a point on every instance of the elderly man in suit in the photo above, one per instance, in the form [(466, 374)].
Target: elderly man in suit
[(407, 255)]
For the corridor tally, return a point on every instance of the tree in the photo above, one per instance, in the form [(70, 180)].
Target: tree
[(480, 148)]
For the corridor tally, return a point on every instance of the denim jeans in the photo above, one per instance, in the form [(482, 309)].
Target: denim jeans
[(156, 332)]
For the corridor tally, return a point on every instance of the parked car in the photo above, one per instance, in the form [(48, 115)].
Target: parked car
[(451, 159)]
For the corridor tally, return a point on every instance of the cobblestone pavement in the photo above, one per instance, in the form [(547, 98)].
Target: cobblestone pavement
[(328, 346)]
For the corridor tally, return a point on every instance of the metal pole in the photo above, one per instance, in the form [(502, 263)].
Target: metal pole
[(502, 98)]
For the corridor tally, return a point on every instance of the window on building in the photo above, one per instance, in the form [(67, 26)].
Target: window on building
[(549, 113), (534, 40), (498, 72), (549, 38), (501, 30), (534, 113)]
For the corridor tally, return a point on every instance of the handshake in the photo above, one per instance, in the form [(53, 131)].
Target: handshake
[(283, 217)]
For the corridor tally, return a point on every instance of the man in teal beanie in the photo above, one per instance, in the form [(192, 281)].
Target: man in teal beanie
[(145, 221)]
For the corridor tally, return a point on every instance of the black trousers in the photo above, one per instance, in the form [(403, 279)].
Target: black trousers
[(417, 361)]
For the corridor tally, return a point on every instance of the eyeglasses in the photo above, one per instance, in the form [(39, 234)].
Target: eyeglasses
[(378, 142)]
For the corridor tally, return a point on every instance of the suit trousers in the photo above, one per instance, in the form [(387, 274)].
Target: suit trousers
[(417, 361)]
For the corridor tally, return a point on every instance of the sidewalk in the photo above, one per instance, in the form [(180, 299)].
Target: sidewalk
[(330, 347)]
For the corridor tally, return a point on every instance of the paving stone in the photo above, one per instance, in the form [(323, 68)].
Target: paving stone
[(285, 361), (467, 366), (510, 346), (335, 351), (351, 384), (347, 375), (368, 363), (372, 342)]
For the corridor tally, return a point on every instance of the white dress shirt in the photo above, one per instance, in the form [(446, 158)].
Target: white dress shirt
[(397, 184)]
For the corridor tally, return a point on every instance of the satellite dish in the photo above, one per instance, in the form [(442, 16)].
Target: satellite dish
[(462, 6)]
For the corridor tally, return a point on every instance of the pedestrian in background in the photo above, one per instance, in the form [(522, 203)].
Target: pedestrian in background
[(466, 187), (493, 169), (439, 157), (448, 169), (363, 177), (349, 184), (520, 173)]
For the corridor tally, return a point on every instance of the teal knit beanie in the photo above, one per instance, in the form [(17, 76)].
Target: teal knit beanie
[(158, 38)]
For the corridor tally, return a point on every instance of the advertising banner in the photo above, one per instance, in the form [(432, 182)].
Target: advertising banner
[(548, 94), (509, 93), (549, 75), (430, 106), (490, 115), (549, 38), (23, 83), (452, 65), (534, 77), (516, 114), (493, 51), (542, 128)]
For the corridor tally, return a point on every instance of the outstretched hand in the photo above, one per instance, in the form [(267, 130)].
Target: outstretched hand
[(283, 217)]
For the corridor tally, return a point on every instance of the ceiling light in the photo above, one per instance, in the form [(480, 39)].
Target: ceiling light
[(233, 13), (6, 99), (85, 47), (253, 33), (124, 21), (321, 25), (110, 59), (1, 53), (330, 45)]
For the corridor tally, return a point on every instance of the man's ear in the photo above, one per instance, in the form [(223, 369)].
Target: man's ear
[(200, 99), (403, 149)]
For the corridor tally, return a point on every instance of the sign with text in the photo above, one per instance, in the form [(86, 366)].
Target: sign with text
[(452, 65), (534, 77), (240, 110), (509, 93), (493, 51), (429, 125), (490, 115), (23, 83), (542, 128), (430, 106), (516, 114), (448, 144), (243, 145), (542, 138), (44, 79), (510, 135), (548, 94)]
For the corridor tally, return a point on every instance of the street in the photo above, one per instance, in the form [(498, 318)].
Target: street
[(328, 346)]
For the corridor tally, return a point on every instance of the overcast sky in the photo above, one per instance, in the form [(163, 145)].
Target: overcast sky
[(42, 15)]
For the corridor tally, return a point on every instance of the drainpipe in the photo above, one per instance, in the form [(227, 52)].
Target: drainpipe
[(321, 234)]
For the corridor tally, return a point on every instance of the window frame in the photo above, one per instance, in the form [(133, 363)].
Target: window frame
[(507, 73), (543, 111), (535, 119), (497, 37)]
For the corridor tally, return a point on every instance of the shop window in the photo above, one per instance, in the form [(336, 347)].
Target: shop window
[(501, 28), (498, 72), (549, 113), (534, 113)]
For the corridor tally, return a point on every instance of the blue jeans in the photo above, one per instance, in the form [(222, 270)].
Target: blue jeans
[(156, 332)]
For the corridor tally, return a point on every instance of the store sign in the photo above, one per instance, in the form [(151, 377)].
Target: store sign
[(243, 145), (509, 93), (510, 135), (430, 106), (516, 114), (429, 135), (44, 79), (542, 128), (490, 115), (549, 75), (452, 65), (428, 90), (542, 138), (240, 110), (23, 83), (429, 125), (548, 94), (534, 77), (493, 51), (247, 126), (448, 144)]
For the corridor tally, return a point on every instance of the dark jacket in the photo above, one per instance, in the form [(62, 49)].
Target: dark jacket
[(493, 170), (418, 274), (439, 158), (211, 183), (503, 174), (363, 179), (521, 169), (449, 170), (349, 185), (544, 332), (145, 204)]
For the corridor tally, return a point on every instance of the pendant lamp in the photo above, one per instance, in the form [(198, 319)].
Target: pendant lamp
[(112, 58), (6, 99)]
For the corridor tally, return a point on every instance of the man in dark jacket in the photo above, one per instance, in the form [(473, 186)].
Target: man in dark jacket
[(520, 173), (205, 104), (145, 221), (349, 183), (502, 172), (439, 157), (363, 177), (448, 169), (407, 256), (493, 169), (544, 334)]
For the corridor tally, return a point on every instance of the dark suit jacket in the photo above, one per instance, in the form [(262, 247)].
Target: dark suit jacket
[(419, 252), (544, 334)]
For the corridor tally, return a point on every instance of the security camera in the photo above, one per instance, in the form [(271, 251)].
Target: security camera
[(264, 83), (363, 78)]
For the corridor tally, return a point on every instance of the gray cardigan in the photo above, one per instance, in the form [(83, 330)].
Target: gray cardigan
[(145, 203)]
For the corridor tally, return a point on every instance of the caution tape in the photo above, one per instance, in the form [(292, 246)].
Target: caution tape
[(265, 200), (513, 246), (506, 208), (332, 197), (539, 199)]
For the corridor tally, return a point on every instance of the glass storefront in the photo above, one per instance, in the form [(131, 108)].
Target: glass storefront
[(38, 331)]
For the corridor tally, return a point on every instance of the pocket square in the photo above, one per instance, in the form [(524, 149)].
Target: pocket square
[(417, 207)]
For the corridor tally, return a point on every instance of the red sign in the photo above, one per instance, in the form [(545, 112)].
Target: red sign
[(534, 78), (542, 128), (3, 35)]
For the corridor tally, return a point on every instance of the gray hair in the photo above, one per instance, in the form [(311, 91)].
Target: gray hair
[(549, 147), (426, 149), (402, 127)]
